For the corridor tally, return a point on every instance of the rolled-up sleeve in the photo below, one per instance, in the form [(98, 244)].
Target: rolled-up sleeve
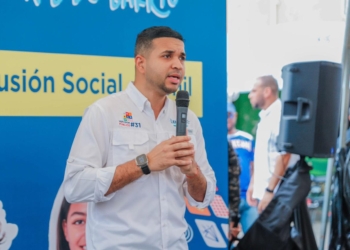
[(87, 178), (206, 169)]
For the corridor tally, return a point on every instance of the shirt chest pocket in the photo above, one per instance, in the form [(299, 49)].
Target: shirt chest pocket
[(127, 144)]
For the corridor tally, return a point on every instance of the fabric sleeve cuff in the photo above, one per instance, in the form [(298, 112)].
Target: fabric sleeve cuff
[(209, 195), (104, 179)]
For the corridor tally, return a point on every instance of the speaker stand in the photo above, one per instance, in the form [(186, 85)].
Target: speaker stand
[(301, 216)]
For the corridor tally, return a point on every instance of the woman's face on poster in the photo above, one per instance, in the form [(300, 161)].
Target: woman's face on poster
[(74, 226)]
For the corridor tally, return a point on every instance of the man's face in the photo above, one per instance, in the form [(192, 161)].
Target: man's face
[(74, 226), (256, 96), (165, 64), (231, 120)]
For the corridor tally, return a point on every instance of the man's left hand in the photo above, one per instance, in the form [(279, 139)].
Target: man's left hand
[(265, 201), (190, 169)]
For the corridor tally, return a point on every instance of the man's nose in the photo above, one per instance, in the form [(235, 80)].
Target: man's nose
[(177, 63)]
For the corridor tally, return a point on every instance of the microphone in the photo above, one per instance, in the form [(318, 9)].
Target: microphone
[(182, 102)]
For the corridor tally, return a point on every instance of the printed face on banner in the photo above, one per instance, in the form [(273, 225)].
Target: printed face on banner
[(74, 226), (67, 224)]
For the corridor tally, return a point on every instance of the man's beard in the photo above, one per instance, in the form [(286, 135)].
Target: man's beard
[(259, 104), (166, 90), (161, 86)]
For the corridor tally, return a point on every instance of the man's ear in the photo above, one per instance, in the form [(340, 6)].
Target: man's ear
[(140, 63), (267, 92)]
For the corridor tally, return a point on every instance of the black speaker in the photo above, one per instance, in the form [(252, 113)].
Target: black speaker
[(310, 108)]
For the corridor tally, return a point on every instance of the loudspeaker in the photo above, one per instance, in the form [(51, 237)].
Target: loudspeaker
[(310, 108)]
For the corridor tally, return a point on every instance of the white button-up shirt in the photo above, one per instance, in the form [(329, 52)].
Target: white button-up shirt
[(266, 151), (149, 212)]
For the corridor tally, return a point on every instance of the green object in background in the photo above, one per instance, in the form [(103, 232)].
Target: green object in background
[(248, 119), (319, 166)]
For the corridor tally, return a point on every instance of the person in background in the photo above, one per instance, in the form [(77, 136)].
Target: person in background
[(234, 192), (269, 164), (243, 144)]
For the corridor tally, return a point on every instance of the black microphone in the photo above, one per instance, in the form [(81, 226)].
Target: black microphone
[(182, 102)]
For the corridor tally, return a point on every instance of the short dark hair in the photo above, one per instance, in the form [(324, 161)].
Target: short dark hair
[(271, 82), (145, 38)]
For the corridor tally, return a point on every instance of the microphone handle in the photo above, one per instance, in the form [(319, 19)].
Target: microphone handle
[(181, 120)]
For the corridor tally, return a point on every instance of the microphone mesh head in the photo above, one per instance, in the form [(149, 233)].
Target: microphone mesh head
[(182, 98)]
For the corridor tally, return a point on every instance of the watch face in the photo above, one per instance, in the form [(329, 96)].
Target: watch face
[(141, 159)]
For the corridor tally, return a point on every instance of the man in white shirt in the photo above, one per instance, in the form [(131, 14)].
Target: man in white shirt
[(269, 164), (126, 162)]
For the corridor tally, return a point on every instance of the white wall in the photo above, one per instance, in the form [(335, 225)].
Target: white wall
[(263, 36)]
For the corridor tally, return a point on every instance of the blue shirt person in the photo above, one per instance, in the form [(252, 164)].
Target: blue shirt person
[(243, 144)]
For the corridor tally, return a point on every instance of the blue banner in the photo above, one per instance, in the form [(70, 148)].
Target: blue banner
[(59, 56)]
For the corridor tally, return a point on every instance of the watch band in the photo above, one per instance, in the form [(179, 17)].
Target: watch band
[(145, 169), (142, 162), (269, 190)]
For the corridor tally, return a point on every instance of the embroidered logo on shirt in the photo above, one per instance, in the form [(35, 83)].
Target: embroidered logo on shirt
[(128, 121), (127, 116), (172, 121)]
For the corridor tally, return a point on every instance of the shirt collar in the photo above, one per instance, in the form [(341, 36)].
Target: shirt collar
[(166, 104), (139, 99), (275, 105), (136, 96)]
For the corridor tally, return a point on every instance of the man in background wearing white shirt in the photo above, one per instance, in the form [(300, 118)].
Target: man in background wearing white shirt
[(126, 162), (269, 164)]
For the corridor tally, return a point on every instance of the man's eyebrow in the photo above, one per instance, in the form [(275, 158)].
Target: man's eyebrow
[(172, 52), (168, 52)]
